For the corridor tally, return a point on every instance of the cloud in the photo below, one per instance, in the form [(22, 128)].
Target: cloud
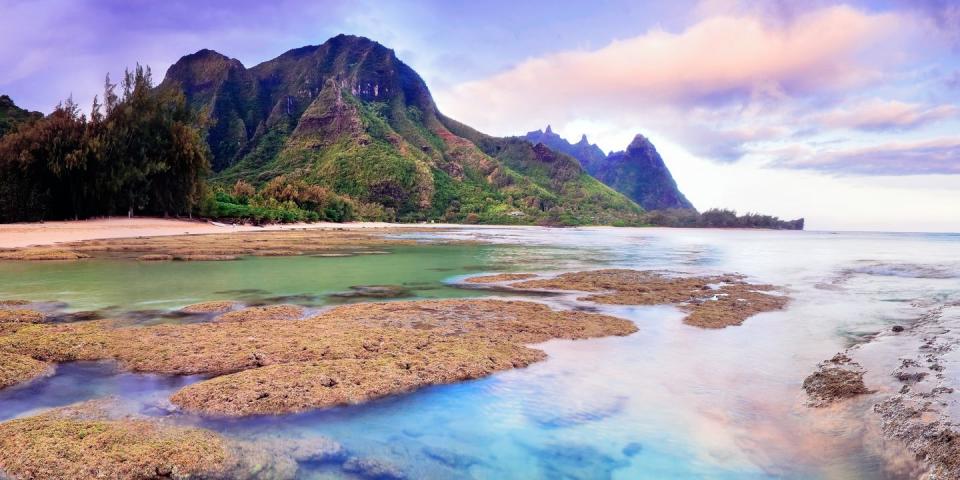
[(717, 61), (880, 115), (923, 157)]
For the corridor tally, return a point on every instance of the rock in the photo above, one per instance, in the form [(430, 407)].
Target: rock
[(450, 458), (220, 306), (373, 469), (375, 291), (632, 449), (836, 379)]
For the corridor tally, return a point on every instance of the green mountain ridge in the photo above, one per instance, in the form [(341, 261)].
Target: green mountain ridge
[(12, 116), (349, 116), (637, 172)]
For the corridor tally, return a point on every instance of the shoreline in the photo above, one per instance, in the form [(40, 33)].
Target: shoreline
[(40, 234), (35, 234)]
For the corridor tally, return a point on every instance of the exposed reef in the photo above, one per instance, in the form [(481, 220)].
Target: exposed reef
[(219, 306), (93, 440), (836, 379), (82, 442), (500, 277), (263, 313), (16, 369), (917, 404), (710, 302), (270, 360)]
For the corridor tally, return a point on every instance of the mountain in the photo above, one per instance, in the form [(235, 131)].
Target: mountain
[(11, 115), (589, 155), (638, 172), (349, 116)]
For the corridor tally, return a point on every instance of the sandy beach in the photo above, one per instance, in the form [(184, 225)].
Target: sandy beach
[(16, 235)]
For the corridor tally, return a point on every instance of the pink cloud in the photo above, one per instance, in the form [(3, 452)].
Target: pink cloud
[(885, 115), (713, 61), (923, 157)]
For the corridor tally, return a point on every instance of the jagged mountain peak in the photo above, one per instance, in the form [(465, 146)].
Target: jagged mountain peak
[(638, 172)]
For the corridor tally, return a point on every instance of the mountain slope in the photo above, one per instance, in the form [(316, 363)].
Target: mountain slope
[(11, 115), (638, 172), (349, 116)]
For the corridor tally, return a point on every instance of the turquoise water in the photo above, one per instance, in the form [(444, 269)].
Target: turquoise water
[(670, 401)]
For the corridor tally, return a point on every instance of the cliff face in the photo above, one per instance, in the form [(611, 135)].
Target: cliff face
[(638, 172), (350, 116), (11, 115)]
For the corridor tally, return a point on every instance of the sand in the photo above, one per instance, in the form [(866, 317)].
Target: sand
[(15, 235)]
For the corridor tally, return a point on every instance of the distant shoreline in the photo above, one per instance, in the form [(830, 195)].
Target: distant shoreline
[(35, 234)]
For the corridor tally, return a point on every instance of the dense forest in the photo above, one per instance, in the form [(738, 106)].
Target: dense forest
[(719, 218), (139, 151)]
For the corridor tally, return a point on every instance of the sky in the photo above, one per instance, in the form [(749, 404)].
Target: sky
[(845, 113)]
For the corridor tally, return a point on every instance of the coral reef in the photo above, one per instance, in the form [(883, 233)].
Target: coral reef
[(500, 277), (710, 302), (218, 306), (268, 361), (16, 369), (836, 379)]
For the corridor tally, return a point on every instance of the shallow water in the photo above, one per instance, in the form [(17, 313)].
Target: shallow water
[(669, 401)]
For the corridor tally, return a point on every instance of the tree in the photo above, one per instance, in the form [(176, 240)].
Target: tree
[(139, 152)]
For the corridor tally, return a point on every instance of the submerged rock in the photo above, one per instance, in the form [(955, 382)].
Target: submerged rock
[(836, 379), (155, 257), (375, 291), (373, 469)]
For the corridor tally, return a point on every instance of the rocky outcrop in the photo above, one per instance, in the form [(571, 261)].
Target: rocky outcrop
[(638, 172)]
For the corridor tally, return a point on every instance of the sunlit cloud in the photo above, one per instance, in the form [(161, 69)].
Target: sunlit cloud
[(880, 114), (715, 62), (936, 156)]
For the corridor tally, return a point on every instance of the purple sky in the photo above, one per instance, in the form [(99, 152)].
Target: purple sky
[(846, 113)]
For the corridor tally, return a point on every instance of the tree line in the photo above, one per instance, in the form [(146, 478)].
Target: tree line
[(719, 218), (140, 151)]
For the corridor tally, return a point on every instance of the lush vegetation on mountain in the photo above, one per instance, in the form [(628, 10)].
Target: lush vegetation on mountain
[(11, 116), (138, 152)]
